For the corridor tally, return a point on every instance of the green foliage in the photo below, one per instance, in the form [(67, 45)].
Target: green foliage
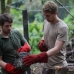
[(35, 34), (18, 27), (70, 21), (17, 16), (38, 17), (17, 19), (43, 1)]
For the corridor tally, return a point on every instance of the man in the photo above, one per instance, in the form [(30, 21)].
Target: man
[(55, 37), (11, 42)]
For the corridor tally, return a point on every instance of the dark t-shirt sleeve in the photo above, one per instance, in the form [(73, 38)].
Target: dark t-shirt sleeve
[(22, 38)]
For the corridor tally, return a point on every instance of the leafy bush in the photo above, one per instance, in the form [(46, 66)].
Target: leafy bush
[(35, 34), (70, 22)]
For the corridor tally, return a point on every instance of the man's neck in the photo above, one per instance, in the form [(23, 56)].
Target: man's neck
[(4, 34), (55, 20)]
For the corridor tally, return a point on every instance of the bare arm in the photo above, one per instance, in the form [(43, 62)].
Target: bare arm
[(2, 63), (56, 49)]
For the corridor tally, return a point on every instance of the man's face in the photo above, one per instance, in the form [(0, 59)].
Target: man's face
[(49, 17), (6, 28)]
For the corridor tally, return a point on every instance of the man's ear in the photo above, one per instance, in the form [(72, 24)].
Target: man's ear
[(55, 12)]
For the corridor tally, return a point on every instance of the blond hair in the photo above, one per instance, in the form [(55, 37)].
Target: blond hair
[(50, 6)]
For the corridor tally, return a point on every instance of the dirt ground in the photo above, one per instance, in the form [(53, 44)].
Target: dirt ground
[(37, 68)]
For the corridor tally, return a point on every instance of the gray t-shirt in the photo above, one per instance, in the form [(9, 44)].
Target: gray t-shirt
[(53, 32)]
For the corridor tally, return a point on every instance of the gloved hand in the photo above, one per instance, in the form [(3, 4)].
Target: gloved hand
[(31, 59), (11, 69), (25, 48), (18, 61), (42, 46)]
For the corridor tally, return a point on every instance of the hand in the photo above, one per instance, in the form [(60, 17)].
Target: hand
[(58, 67), (11, 69), (31, 59), (25, 48), (42, 46)]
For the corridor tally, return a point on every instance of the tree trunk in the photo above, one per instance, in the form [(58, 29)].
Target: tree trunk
[(8, 6), (2, 6)]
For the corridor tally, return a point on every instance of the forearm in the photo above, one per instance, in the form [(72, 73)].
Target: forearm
[(58, 46), (52, 51), (2, 64)]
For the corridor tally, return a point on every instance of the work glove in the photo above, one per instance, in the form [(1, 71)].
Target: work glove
[(42, 46), (31, 59), (18, 63), (24, 48), (11, 69)]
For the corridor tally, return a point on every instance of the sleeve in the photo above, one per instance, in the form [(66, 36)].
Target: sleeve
[(22, 38), (62, 34), (43, 30), (43, 25)]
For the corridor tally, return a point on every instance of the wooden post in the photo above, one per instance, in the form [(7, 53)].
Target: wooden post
[(25, 24), (26, 35)]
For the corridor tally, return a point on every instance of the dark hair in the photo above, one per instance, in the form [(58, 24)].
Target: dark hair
[(5, 18)]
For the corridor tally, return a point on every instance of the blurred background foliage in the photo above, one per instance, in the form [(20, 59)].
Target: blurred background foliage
[(35, 17)]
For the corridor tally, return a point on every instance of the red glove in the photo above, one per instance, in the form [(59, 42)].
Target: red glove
[(42, 47), (25, 48), (11, 69), (31, 59)]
